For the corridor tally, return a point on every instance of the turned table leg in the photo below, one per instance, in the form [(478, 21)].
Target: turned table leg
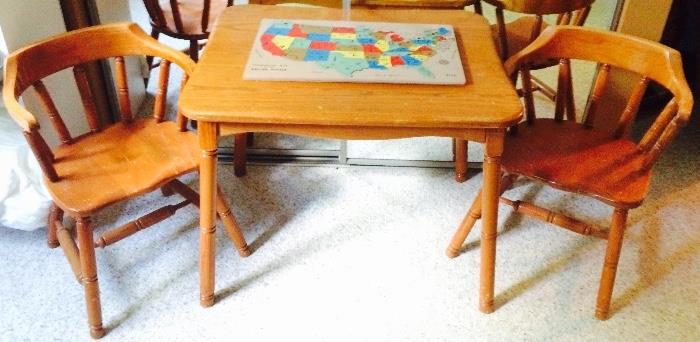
[(461, 162), (208, 134), (493, 148)]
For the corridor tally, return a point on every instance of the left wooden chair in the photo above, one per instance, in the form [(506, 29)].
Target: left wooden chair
[(111, 163)]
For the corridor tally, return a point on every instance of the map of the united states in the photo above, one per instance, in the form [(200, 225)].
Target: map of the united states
[(351, 49)]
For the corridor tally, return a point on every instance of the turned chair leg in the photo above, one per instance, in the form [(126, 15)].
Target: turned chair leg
[(232, 228), (474, 214), (612, 256), (239, 154), (465, 227), (89, 277), (55, 214), (461, 162)]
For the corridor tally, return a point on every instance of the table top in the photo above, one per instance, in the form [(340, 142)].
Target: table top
[(216, 91)]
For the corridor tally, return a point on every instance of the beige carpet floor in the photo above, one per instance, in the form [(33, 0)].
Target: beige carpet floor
[(356, 254)]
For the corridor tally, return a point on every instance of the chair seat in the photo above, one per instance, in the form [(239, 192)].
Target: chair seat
[(120, 162), (191, 15), (571, 157), (519, 33)]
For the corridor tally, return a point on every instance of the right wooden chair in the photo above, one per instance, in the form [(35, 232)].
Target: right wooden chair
[(576, 157), (110, 163)]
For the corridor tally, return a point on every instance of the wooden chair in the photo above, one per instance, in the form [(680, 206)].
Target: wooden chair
[(110, 163), (576, 157), (459, 145), (184, 19)]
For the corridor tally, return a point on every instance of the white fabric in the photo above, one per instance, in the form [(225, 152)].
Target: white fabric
[(24, 201)]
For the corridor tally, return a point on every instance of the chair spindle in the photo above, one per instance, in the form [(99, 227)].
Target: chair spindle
[(205, 15), (536, 28), (581, 16), (176, 16), (630, 112), (527, 93), (155, 12), (86, 98), (42, 152), (51, 110), (181, 119), (161, 91), (123, 89), (660, 124), (601, 82), (669, 132), (564, 18), (477, 7), (562, 89), (502, 33)]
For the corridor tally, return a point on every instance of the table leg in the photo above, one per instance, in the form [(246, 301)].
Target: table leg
[(240, 154), (493, 148), (208, 136), (461, 165)]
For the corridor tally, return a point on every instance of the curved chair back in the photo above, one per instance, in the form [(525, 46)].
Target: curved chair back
[(28, 66), (651, 60), (188, 19)]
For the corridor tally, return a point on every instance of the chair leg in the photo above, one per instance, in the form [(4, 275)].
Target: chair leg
[(250, 139), (166, 191), (232, 228), (612, 256), (194, 50), (89, 277), (239, 154), (461, 165), (474, 214), (149, 59), (464, 228), (55, 214)]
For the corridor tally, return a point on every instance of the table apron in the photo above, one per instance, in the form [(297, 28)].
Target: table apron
[(358, 132)]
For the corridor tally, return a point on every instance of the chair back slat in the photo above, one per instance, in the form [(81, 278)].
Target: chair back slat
[(502, 34), (631, 108), (161, 91), (652, 135), (536, 27), (581, 16), (205, 15), (54, 116), (564, 18), (527, 93), (86, 98), (42, 152), (155, 12), (123, 89), (176, 16), (669, 132), (181, 120), (540, 7), (601, 82), (560, 106)]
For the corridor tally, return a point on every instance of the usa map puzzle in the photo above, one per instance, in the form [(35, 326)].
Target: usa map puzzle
[(342, 51)]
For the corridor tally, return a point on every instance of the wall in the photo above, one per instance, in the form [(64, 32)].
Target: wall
[(21, 26), (642, 18)]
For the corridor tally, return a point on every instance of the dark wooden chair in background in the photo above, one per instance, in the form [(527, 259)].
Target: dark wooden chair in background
[(460, 146), (111, 163), (514, 36), (190, 20), (578, 158)]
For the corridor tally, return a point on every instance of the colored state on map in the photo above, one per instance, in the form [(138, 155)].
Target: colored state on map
[(348, 49)]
